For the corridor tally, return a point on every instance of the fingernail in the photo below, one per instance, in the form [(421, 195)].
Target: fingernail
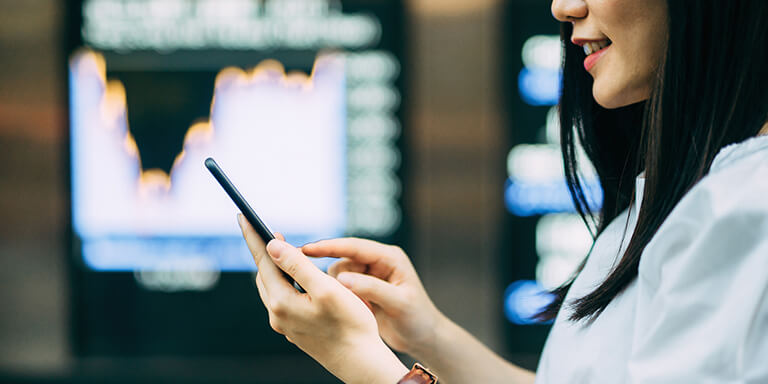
[(346, 279), (275, 246), (240, 219)]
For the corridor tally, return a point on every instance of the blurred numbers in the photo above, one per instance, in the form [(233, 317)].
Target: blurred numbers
[(373, 127), (536, 186)]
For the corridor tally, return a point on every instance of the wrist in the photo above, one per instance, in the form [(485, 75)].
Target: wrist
[(371, 363), (428, 347), (389, 369)]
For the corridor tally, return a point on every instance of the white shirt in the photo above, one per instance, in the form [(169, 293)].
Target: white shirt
[(698, 310)]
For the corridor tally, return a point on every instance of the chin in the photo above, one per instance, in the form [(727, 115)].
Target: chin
[(607, 99), (612, 98)]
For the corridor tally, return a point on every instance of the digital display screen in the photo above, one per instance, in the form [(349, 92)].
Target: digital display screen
[(547, 239), (295, 99)]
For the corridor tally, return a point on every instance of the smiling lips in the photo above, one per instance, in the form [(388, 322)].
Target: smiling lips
[(594, 50)]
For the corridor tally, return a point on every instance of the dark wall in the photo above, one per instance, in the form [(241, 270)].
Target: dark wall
[(457, 142)]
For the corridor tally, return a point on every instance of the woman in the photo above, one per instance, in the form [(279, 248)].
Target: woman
[(675, 287)]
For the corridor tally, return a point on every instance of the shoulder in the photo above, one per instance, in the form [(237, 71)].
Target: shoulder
[(737, 183), (722, 219), (703, 277), (738, 179)]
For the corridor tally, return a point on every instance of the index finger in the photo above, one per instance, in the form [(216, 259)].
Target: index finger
[(255, 243), (291, 260), (360, 250), (269, 271)]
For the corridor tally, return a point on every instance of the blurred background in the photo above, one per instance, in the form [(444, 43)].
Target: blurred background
[(424, 123)]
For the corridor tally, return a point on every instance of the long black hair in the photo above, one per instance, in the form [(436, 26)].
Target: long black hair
[(711, 90)]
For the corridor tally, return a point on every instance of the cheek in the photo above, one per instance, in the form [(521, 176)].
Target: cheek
[(624, 78), (637, 29)]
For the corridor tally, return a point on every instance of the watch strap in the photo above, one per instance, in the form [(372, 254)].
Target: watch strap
[(418, 375)]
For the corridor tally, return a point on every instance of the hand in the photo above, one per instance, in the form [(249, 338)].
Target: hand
[(383, 276), (328, 322)]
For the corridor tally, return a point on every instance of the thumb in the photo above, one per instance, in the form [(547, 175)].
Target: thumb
[(372, 289), (296, 265)]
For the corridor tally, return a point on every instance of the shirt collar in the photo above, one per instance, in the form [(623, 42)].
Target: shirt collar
[(733, 152), (727, 155)]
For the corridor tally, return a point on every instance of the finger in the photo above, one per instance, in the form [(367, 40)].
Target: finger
[(271, 276), (255, 243), (373, 289), (273, 323), (263, 294), (379, 259), (279, 236), (360, 250), (367, 304), (346, 265), (297, 265)]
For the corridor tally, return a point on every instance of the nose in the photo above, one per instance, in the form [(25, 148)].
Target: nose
[(569, 10)]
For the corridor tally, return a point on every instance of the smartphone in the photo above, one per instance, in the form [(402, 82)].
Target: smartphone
[(250, 215)]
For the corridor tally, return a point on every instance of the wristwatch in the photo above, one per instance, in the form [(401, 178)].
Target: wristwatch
[(418, 375)]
